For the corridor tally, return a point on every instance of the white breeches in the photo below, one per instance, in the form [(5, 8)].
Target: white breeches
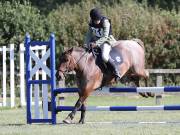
[(105, 48)]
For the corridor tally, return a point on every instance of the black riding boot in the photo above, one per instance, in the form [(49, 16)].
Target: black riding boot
[(116, 71)]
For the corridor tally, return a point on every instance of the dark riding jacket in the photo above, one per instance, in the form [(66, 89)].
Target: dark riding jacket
[(99, 33)]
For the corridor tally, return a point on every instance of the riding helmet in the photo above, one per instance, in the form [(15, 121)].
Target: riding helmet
[(95, 14)]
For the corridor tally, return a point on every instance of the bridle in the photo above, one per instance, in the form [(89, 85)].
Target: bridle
[(67, 68)]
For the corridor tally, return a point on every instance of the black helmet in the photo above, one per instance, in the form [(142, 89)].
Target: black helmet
[(95, 14)]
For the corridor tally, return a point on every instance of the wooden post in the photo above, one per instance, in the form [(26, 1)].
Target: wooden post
[(62, 96), (36, 93), (22, 75), (4, 76), (158, 83), (44, 89), (12, 92)]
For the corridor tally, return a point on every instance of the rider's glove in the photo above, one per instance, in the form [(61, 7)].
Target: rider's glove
[(87, 49), (92, 45)]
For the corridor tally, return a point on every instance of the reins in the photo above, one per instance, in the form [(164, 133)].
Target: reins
[(67, 69), (82, 56)]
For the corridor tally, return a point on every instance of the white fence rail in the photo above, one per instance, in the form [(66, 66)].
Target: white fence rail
[(10, 78), (22, 75), (4, 52), (8, 75), (13, 82)]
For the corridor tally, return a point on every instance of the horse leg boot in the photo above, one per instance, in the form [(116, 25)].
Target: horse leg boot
[(83, 112), (70, 117), (115, 69)]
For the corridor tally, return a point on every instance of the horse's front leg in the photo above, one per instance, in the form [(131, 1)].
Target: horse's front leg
[(83, 112), (70, 117)]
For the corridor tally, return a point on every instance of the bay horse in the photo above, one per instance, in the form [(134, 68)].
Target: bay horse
[(89, 75)]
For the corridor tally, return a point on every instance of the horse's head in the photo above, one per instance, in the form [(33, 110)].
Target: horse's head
[(66, 64)]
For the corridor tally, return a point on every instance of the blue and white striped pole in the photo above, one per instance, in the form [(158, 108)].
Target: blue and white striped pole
[(128, 89), (122, 108)]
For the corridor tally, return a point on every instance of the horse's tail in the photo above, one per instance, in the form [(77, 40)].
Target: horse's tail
[(139, 41)]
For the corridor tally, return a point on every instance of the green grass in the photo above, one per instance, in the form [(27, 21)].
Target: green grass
[(123, 99), (13, 121)]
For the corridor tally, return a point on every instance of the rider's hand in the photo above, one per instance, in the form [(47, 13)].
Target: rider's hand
[(86, 49), (92, 45)]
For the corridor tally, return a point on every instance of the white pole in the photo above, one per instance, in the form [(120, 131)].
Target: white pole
[(4, 76), (22, 75), (36, 93), (44, 90), (12, 75)]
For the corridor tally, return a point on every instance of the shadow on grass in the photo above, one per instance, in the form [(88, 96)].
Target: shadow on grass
[(15, 124)]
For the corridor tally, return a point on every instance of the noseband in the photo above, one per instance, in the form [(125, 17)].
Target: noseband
[(75, 63), (68, 66)]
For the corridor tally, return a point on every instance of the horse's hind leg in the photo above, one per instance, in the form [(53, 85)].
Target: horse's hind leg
[(145, 74), (136, 80)]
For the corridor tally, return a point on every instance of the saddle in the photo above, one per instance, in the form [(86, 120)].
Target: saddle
[(106, 68)]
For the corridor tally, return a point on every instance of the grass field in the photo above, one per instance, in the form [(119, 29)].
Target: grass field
[(13, 121)]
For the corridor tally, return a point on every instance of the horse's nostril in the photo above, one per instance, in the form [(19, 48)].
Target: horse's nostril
[(58, 77)]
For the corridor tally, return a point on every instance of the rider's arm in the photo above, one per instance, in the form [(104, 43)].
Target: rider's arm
[(106, 26)]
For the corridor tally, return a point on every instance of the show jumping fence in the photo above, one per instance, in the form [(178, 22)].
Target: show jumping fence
[(12, 88), (13, 80), (34, 82)]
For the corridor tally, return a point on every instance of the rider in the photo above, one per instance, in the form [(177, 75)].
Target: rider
[(100, 32)]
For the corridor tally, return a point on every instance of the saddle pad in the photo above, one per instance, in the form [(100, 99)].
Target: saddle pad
[(116, 56)]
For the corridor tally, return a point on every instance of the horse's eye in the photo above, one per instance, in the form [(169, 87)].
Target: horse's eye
[(65, 59)]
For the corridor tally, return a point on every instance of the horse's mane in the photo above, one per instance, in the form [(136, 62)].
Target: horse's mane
[(78, 49)]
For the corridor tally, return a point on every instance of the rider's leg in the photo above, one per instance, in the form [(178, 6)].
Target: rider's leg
[(106, 48), (115, 68)]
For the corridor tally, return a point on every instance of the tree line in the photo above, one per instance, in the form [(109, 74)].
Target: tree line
[(155, 22)]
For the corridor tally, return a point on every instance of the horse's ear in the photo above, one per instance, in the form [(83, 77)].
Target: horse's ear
[(70, 50), (66, 49)]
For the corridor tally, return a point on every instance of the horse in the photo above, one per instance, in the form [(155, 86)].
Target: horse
[(90, 77)]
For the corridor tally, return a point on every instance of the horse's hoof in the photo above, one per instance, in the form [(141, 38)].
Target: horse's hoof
[(143, 94), (117, 79), (150, 94), (66, 121), (81, 122)]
